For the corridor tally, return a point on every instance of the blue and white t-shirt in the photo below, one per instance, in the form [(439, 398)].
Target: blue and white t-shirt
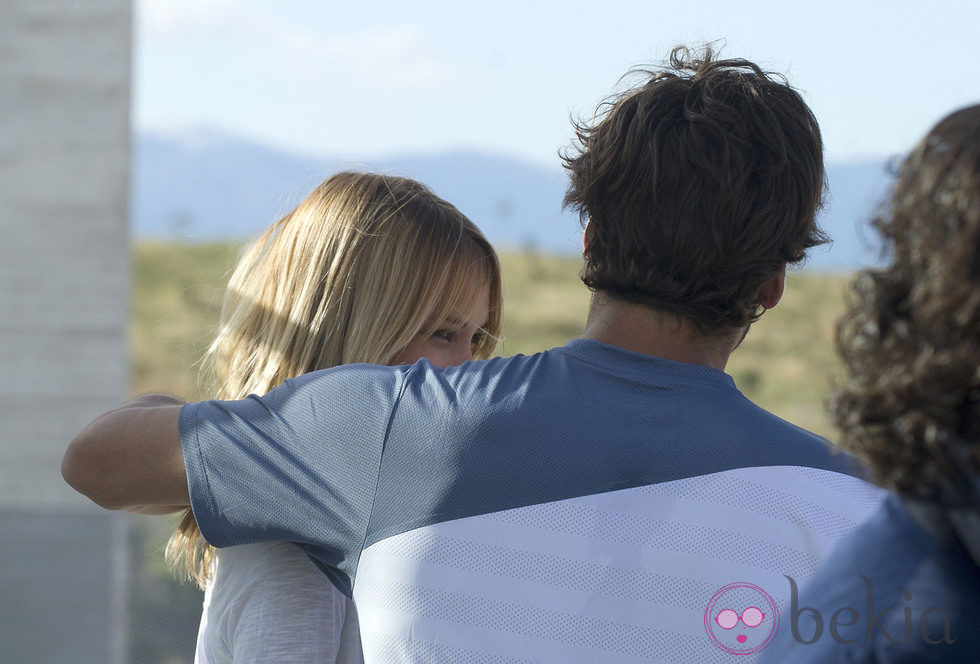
[(584, 504)]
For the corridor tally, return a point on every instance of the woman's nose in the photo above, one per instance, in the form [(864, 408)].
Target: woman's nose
[(463, 354)]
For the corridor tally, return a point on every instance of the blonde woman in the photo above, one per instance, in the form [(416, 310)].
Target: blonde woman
[(369, 268)]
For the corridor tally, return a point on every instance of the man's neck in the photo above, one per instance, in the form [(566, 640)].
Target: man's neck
[(644, 330)]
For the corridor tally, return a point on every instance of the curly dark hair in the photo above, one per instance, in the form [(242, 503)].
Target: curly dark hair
[(911, 337), (697, 186)]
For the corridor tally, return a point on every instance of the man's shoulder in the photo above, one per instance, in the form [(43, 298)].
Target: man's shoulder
[(770, 440)]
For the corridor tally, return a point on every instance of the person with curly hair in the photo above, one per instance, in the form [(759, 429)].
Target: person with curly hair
[(910, 406), (582, 504)]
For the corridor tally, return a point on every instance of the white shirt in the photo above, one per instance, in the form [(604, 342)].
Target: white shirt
[(269, 603)]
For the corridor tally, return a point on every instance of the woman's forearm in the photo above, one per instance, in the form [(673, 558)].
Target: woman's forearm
[(130, 457)]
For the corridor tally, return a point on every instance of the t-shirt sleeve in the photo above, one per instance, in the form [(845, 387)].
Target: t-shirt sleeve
[(300, 463)]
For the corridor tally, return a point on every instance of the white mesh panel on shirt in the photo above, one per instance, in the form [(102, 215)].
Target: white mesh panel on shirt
[(405, 651), (623, 576), (675, 536), (500, 561), (584, 638)]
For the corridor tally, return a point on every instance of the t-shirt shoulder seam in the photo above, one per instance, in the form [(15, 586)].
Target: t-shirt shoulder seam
[(400, 391)]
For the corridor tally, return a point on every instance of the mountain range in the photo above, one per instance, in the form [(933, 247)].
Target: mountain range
[(203, 185)]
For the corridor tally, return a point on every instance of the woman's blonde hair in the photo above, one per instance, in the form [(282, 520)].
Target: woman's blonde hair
[(359, 269)]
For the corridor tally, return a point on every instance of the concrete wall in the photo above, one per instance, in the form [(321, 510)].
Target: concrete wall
[(64, 288)]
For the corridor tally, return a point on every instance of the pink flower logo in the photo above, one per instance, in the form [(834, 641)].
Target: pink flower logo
[(741, 618)]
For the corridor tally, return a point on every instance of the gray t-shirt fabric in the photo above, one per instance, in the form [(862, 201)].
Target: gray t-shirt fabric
[(578, 469)]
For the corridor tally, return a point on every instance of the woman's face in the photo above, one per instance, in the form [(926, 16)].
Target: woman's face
[(452, 343)]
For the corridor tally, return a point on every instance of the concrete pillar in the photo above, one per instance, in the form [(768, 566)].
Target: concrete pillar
[(64, 289)]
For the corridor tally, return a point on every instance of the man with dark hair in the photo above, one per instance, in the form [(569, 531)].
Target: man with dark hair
[(615, 499), (698, 187)]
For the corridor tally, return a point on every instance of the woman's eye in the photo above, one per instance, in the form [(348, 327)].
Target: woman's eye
[(478, 338), (444, 334)]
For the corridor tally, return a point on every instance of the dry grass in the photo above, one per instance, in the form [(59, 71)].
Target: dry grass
[(785, 364)]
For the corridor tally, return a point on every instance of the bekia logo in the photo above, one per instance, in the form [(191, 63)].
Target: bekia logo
[(741, 618)]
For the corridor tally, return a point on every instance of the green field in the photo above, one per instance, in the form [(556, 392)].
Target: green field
[(785, 364)]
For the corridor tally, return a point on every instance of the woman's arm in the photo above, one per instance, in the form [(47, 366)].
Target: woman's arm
[(130, 458)]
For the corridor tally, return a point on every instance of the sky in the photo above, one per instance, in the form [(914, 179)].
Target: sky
[(376, 79)]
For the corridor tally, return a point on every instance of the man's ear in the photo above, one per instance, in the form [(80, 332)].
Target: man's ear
[(587, 239), (771, 291)]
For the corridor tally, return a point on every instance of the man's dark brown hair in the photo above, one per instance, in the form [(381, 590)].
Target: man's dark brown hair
[(698, 186)]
